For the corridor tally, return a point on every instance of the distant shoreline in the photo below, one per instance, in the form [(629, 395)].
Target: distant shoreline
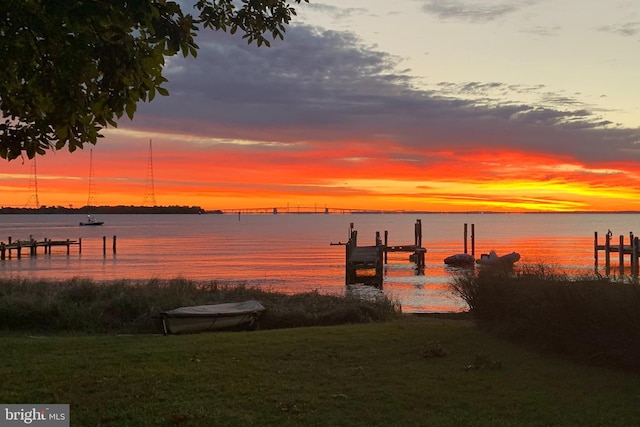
[(102, 210), (197, 210)]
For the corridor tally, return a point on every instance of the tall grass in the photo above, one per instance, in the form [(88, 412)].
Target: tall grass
[(591, 318), (82, 305)]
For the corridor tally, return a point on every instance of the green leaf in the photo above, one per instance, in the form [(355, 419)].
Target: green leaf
[(130, 109)]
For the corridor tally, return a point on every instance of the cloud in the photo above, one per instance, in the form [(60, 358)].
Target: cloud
[(324, 88), (543, 31), (628, 29), (472, 11)]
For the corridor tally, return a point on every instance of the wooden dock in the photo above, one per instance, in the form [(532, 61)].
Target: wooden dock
[(632, 250), (30, 246), (365, 264)]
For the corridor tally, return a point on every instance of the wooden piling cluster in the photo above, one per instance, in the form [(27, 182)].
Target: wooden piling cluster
[(632, 249), (32, 245), (364, 264)]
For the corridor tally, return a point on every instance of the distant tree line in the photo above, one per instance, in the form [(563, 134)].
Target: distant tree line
[(108, 210)]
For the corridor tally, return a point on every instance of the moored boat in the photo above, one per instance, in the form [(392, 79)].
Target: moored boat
[(493, 259), (460, 260)]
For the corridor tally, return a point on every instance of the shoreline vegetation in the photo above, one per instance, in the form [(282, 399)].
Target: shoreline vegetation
[(262, 211), (535, 348), (591, 319), (84, 306), (102, 210)]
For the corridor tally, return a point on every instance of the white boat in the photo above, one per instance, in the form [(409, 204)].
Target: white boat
[(91, 221), (493, 259), (202, 318), (460, 260)]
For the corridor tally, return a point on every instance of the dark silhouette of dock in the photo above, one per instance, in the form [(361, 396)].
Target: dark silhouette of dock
[(632, 250), (32, 245), (365, 264)]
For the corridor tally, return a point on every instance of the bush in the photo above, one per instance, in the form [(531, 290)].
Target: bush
[(591, 318), (81, 305)]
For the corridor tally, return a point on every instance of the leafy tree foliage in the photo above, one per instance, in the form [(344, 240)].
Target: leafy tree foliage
[(69, 68)]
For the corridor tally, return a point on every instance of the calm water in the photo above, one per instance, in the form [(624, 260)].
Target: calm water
[(292, 253)]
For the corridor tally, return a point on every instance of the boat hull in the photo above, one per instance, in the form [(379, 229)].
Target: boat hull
[(203, 318), (460, 260), (493, 259)]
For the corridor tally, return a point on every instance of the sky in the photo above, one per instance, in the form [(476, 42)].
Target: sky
[(423, 105)]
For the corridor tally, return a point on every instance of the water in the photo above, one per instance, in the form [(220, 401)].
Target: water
[(292, 253)]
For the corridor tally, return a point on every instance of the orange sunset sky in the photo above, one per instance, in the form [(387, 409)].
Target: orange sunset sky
[(410, 105)]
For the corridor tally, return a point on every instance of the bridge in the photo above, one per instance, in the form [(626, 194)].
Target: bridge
[(275, 210)]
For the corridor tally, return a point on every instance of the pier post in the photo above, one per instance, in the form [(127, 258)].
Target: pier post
[(19, 249), (79, 245), (621, 255), (473, 240), (418, 233), (2, 250), (68, 246), (9, 248), (104, 246), (386, 241), (114, 244), (465, 237), (351, 244), (634, 258), (595, 250), (607, 254), (380, 254)]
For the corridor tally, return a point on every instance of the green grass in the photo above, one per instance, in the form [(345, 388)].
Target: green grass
[(416, 371)]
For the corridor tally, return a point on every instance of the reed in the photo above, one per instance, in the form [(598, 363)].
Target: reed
[(86, 306), (590, 318)]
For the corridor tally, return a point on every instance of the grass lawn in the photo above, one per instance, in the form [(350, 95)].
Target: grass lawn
[(417, 371)]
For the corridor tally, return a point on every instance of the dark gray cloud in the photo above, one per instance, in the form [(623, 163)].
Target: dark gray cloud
[(327, 87)]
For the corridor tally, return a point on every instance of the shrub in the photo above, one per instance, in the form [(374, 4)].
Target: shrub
[(81, 305), (592, 318)]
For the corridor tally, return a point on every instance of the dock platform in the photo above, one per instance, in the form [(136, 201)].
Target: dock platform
[(632, 250), (365, 264), (30, 246)]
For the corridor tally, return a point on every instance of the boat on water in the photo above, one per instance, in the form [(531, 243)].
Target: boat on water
[(203, 318), (91, 221), (460, 260), (493, 259)]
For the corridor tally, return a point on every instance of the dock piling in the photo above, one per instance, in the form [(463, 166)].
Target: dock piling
[(374, 257), (6, 249), (632, 249)]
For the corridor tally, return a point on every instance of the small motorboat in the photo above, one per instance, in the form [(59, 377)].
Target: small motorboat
[(460, 260), (91, 221), (493, 259), (202, 318)]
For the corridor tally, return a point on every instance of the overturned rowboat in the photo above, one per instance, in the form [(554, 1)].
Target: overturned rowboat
[(202, 318)]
